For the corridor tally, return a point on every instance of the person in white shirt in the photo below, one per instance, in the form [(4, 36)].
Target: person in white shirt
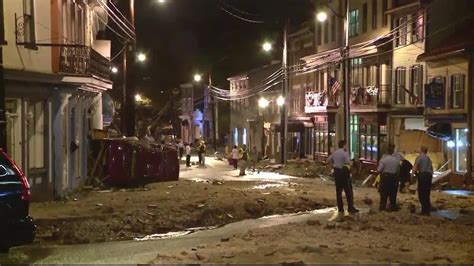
[(188, 154), (235, 156)]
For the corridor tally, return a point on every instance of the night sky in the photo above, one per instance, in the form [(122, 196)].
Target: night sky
[(183, 37)]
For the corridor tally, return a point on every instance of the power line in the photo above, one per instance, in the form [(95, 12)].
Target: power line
[(129, 33), (122, 15), (238, 10), (240, 17)]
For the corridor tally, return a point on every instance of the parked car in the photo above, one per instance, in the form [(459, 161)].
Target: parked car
[(16, 226)]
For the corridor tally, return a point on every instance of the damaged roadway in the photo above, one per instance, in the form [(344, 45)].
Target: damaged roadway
[(215, 196)]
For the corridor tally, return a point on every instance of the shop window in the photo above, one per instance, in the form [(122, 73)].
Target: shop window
[(244, 136), (400, 84), (354, 133), (354, 23), (236, 136), (460, 153), (321, 136), (457, 91), (368, 142)]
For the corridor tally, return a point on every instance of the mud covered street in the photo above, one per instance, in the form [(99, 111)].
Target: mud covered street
[(215, 196)]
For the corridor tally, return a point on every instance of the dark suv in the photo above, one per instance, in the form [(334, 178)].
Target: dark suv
[(16, 226)]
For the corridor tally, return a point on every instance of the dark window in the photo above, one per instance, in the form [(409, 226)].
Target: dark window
[(333, 28), (416, 83), (400, 85), (374, 14), (354, 23), (401, 33), (364, 17), (2, 29), (29, 23), (457, 91), (384, 14), (417, 27), (319, 34), (326, 32)]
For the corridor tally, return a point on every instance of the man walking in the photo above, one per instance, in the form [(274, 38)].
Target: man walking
[(340, 160), (235, 156), (388, 170), (423, 169), (188, 154)]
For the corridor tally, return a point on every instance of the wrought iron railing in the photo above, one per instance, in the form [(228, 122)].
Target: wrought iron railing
[(84, 61), (371, 96)]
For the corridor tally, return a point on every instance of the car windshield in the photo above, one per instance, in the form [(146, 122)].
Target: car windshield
[(8, 176)]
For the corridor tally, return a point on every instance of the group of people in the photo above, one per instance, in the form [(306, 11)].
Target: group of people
[(394, 170), (184, 148), (241, 157)]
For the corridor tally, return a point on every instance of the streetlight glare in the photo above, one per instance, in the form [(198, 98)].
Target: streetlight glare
[(114, 70), (138, 98), (322, 16), (141, 57), (267, 47), (197, 77), (161, 1), (280, 101), (263, 103)]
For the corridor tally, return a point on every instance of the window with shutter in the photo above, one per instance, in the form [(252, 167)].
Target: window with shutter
[(29, 24), (457, 91)]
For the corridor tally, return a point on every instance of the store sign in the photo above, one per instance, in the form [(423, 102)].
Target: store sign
[(434, 95), (314, 101)]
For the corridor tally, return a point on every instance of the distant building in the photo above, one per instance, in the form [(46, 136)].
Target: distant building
[(250, 124)]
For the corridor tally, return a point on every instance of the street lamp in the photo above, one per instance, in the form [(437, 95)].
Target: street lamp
[(280, 101), (114, 70), (161, 1), (141, 57), (267, 47), (197, 77), (263, 103), (322, 16)]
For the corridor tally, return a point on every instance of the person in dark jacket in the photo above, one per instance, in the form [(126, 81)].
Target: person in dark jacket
[(404, 174)]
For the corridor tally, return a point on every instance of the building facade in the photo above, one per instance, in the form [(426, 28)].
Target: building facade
[(251, 123), (55, 73)]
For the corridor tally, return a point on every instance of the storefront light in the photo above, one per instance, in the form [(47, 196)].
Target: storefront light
[(450, 144)]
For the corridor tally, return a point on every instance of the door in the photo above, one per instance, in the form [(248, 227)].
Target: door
[(14, 141)]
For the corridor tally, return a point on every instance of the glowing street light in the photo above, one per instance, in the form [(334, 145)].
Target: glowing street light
[(267, 47), (141, 57), (280, 101), (263, 103), (161, 1), (138, 98), (197, 78), (322, 16), (114, 70)]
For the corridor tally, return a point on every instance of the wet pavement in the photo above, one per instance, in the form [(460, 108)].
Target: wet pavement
[(145, 251)]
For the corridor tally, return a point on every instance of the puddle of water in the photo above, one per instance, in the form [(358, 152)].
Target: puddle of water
[(273, 185), (173, 234), (446, 214), (465, 193)]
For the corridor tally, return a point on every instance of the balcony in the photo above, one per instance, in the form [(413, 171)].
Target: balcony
[(84, 61), (363, 97)]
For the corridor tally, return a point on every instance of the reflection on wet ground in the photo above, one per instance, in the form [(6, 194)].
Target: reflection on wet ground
[(459, 192), (173, 234)]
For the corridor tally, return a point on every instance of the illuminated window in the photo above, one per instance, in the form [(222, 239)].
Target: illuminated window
[(460, 153), (354, 22)]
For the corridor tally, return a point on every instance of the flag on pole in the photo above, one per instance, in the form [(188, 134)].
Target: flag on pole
[(335, 85)]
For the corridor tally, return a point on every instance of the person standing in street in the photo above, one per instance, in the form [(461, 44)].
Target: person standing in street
[(388, 169), (188, 154), (423, 169), (254, 158), (202, 153), (340, 161), (180, 149), (243, 160), (235, 156)]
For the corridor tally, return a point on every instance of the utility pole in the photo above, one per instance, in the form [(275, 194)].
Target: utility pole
[(214, 114), (128, 108), (3, 119), (345, 69), (284, 116)]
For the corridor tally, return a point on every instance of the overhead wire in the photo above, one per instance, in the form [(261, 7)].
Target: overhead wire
[(114, 18), (122, 15)]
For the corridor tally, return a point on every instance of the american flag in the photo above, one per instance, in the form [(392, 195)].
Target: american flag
[(335, 85)]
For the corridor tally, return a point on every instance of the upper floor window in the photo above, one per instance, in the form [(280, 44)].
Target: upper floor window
[(384, 13), (364, 17), (400, 85), (374, 14), (29, 23), (417, 27), (319, 34), (354, 22), (401, 34), (457, 91), (326, 32), (416, 82), (333, 28)]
